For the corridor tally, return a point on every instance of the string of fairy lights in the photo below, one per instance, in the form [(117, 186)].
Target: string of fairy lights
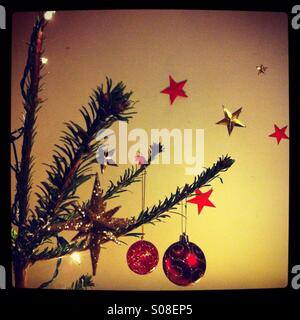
[(48, 15)]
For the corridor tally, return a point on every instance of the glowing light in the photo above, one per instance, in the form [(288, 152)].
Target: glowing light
[(44, 60), (48, 15), (75, 256)]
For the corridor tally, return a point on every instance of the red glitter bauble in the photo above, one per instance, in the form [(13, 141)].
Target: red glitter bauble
[(184, 262), (142, 257)]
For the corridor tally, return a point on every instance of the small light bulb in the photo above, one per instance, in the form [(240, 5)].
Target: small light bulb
[(44, 60), (48, 15), (75, 256)]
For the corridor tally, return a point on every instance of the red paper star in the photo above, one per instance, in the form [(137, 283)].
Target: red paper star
[(202, 200), (175, 89), (279, 133)]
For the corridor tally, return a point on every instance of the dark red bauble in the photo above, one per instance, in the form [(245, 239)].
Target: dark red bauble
[(184, 262), (142, 257)]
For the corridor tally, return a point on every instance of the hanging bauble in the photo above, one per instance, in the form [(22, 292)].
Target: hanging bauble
[(184, 262), (142, 257)]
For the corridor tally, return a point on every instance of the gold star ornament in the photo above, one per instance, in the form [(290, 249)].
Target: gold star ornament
[(95, 224), (231, 119), (261, 69)]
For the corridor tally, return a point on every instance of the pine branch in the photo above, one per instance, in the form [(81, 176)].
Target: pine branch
[(16, 134), (73, 159), (157, 212), (29, 88), (63, 248), (132, 175), (84, 282), (55, 274), (72, 162)]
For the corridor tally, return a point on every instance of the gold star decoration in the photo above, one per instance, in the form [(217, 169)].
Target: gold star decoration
[(95, 224), (261, 69), (231, 119)]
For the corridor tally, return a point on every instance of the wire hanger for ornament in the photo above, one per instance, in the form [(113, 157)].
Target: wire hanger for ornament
[(143, 198), (183, 206), (142, 256), (184, 262)]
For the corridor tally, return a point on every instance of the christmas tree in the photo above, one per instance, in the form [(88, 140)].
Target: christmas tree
[(36, 232)]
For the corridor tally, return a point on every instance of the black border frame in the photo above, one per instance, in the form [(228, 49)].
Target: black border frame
[(103, 299)]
